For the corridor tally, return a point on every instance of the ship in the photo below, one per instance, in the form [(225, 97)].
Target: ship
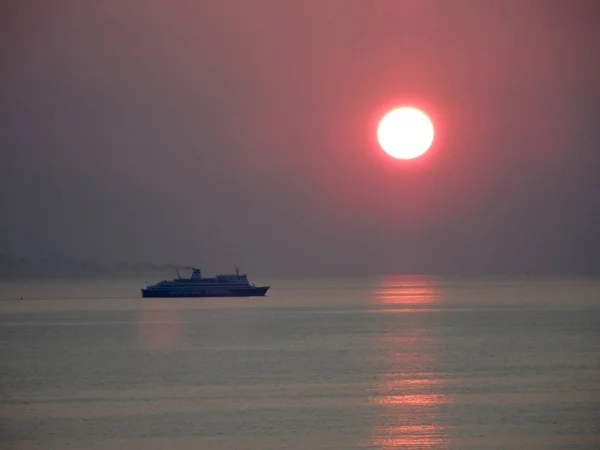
[(224, 285)]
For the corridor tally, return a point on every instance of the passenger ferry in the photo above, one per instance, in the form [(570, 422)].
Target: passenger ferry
[(225, 285)]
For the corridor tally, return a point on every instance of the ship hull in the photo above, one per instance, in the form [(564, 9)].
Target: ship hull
[(251, 291)]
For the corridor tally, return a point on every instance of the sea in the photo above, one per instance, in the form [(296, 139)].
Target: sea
[(394, 362)]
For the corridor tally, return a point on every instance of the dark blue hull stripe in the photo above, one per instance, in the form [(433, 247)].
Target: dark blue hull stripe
[(206, 292)]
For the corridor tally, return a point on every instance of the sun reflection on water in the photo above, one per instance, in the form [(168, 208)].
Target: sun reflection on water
[(414, 290), (408, 393)]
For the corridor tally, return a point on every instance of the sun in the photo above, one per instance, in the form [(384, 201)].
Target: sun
[(405, 133)]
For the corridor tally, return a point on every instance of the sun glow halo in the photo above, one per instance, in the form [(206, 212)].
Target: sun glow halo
[(405, 133)]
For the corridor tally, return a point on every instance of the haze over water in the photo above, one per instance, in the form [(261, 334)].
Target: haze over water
[(357, 363), (220, 132)]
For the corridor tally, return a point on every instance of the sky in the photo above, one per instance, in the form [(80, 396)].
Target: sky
[(222, 132)]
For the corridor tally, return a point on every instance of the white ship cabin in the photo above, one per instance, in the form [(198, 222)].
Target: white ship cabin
[(196, 275), (235, 278)]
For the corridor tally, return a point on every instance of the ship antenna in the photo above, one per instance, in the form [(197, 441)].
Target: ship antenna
[(178, 276)]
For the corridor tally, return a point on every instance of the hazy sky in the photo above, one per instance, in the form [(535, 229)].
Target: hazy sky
[(235, 131)]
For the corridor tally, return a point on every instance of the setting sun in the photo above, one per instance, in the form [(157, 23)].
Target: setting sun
[(405, 133)]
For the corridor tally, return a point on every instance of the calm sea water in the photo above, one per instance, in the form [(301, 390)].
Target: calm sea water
[(382, 363)]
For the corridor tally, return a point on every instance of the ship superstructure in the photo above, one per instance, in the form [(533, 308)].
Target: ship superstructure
[(223, 285)]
